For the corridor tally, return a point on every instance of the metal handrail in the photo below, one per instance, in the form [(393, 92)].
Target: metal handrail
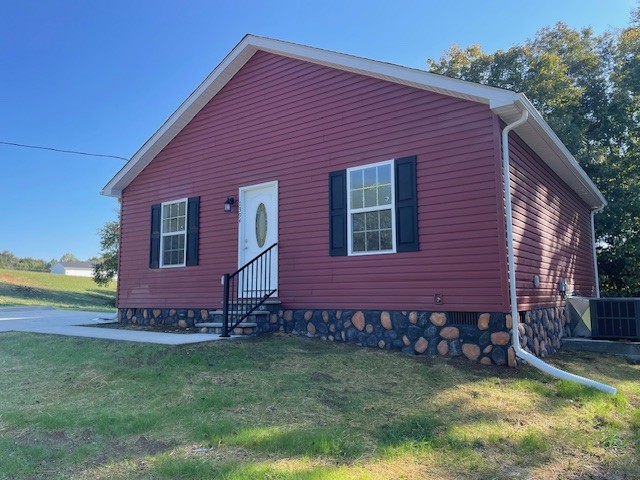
[(246, 289)]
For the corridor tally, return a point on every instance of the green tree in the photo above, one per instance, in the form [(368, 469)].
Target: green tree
[(106, 267), (69, 257), (587, 88), (8, 260), (620, 224)]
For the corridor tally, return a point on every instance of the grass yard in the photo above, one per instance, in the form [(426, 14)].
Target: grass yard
[(284, 407), (61, 291)]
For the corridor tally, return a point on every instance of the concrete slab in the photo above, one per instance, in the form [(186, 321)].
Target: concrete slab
[(610, 347), (79, 324)]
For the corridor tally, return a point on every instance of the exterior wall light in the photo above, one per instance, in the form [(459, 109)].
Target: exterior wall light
[(562, 288), (228, 205), (536, 281)]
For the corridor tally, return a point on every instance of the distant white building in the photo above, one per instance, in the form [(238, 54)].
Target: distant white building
[(74, 269)]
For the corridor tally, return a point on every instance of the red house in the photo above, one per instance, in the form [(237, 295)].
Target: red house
[(383, 188)]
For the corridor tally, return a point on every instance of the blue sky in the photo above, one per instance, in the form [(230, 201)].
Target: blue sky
[(103, 76)]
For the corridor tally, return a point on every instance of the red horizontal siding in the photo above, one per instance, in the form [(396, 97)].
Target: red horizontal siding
[(552, 231), (291, 121)]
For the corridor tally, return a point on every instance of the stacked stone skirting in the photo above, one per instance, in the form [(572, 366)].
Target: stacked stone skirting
[(541, 330), (430, 333), (182, 318), (488, 341)]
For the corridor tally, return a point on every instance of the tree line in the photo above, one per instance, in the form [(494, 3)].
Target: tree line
[(587, 87), (10, 261)]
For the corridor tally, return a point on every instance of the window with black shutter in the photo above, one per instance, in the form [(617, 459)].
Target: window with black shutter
[(373, 208), (174, 233)]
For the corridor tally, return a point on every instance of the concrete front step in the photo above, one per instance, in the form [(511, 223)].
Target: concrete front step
[(238, 312), (247, 327), (268, 303), (244, 328)]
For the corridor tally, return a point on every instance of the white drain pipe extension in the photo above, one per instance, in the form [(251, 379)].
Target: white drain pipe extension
[(515, 320)]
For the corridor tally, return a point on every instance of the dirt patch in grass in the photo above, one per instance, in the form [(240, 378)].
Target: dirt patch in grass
[(320, 377), (14, 279), (98, 449), (113, 449), (54, 439)]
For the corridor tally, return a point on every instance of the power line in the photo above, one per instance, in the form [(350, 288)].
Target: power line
[(64, 151)]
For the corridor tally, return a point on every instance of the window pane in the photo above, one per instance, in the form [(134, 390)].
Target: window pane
[(373, 241), (356, 199), (357, 222), (384, 195), (370, 197), (373, 222), (173, 249), (358, 242), (385, 240), (356, 179), (174, 217), (385, 219), (384, 174), (370, 177)]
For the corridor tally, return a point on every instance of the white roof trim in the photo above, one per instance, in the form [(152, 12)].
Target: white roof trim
[(536, 132)]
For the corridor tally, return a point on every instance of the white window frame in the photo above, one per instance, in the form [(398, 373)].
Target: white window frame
[(164, 234), (392, 206)]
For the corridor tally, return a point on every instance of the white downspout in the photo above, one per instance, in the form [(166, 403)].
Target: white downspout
[(593, 244), (515, 320)]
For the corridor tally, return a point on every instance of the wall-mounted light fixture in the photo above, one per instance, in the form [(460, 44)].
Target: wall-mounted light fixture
[(562, 288), (228, 205), (536, 281)]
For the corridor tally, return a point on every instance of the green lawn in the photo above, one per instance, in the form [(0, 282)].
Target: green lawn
[(60, 291), (282, 407)]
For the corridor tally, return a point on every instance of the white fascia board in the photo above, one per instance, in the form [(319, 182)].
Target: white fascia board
[(388, 71), (582, 184)]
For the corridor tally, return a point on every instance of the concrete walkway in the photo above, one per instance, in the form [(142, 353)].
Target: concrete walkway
[(74, 323)]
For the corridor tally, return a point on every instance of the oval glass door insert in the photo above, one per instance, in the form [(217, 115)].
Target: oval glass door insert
[(261, 225)]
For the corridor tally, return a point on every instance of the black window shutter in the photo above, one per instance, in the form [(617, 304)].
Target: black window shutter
[(338, 213), (406, 205), (193, 227), (154, 251)]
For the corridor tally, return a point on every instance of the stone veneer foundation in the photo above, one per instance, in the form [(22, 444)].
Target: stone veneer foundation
[(541, 330), (487, 340)]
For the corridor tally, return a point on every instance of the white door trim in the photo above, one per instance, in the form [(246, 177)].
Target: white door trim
[(242, 191)]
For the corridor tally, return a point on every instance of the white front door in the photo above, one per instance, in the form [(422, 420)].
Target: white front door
[(257, 232)]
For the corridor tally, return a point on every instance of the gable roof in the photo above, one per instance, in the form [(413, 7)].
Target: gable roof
[(506, 104)]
